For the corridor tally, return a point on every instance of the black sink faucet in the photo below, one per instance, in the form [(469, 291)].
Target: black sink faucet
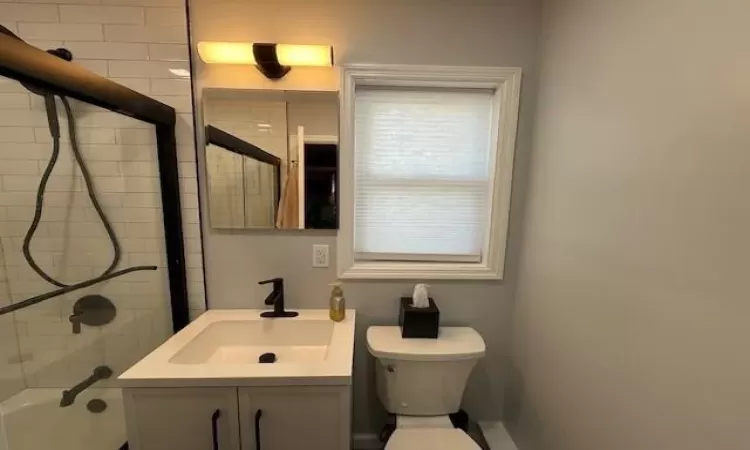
[(276, 298)]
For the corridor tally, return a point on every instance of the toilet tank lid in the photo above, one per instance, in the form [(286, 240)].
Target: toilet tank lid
[(453, 343)]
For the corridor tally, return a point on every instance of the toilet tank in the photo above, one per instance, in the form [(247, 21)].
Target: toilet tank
[(423, 377)]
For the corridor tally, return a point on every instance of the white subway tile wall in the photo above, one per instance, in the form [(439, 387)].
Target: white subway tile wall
[(141, 44)]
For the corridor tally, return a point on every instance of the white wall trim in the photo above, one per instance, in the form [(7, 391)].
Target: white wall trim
[(497, 435), (314, 139), (506, 81), (321, 139), (296, 146)]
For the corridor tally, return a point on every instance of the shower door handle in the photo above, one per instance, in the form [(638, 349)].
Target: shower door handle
[(258, 415), (215, 429)]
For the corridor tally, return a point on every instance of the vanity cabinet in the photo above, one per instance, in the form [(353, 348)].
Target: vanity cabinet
[(293, 418), (249, 418), (182, 418)]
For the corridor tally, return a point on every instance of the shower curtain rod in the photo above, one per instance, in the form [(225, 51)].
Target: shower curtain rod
[(25, 63)]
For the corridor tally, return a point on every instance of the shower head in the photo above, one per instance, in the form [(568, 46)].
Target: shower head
[(62, 53)]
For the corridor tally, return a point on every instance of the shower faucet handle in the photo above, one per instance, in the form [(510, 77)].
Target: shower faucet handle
[(75, 319)]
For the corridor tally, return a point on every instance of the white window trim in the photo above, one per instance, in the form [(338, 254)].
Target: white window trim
[(507, 85)]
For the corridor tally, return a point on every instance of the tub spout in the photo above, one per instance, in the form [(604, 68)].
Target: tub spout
[(67, 399), (69, 395)]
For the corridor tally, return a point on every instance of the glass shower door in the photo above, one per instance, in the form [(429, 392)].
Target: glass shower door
[(11, 375), (59, 358)]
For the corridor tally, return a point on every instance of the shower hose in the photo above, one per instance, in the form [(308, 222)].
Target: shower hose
[(54, 127)]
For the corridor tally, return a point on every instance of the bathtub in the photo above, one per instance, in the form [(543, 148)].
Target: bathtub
[(33, 420)]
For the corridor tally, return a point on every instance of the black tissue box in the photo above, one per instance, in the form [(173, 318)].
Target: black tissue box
[(419, 322)]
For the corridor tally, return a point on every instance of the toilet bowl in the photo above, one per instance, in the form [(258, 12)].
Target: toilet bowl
[(428, 433), (422, 381)]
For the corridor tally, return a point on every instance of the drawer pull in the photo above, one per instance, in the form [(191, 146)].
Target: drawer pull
[(215, 429), (258, 415)]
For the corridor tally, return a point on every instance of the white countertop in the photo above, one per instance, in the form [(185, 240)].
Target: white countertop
[(158, 369)]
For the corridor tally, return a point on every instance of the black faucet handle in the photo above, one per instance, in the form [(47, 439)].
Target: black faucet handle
[(275, 281), (76, 319)]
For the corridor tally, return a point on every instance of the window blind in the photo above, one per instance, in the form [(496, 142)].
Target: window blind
[(422, 178)]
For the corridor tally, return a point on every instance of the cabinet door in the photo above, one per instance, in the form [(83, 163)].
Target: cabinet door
[(181, 418), (295, 418)]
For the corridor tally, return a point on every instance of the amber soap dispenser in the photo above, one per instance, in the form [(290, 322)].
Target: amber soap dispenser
[(337, 305)]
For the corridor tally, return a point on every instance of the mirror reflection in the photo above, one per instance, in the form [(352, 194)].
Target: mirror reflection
[(271, 158)]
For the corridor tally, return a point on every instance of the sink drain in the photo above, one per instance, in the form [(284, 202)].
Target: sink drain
[(267, 358)]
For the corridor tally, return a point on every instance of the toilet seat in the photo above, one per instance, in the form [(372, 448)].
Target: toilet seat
[(430, 439)]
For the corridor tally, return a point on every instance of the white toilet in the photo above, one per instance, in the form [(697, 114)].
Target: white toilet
[(422, 381)]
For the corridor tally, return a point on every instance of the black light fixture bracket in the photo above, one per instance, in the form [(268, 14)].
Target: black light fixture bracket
[(267, 61)]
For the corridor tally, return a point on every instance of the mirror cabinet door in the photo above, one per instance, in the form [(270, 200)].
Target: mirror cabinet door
[(271, 159)]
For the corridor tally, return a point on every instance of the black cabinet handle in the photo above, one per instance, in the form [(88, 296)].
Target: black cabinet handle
[(215, 429), (258, 414)]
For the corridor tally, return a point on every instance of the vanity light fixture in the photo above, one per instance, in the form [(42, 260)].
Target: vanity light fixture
[(273, 60)]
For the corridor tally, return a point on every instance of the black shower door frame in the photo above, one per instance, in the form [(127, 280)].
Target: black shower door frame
[(25, 63)]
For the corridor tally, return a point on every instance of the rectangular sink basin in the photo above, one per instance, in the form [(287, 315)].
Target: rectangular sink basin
[(244, 341), (224, 348)]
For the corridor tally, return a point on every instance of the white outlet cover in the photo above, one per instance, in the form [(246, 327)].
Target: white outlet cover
[(320, 255)]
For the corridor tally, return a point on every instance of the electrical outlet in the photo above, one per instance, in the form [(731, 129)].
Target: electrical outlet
[(320, 255)]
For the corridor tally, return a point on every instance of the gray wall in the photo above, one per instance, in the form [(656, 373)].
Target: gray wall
[(632, 304), (489, 33)]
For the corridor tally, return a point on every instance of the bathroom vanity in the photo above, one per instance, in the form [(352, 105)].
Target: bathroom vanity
[(232, 380)]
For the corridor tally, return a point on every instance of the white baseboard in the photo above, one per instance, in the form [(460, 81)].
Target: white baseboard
[(366, 441), (497, 436)]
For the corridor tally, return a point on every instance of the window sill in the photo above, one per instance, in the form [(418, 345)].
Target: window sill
[(364, 270)]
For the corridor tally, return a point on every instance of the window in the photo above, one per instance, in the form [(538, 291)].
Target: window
[(421, 173), (426, 157)]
